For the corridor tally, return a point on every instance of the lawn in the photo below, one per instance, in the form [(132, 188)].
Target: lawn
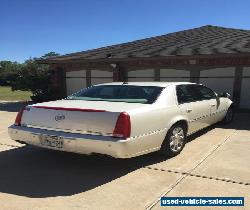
[(6, 94)]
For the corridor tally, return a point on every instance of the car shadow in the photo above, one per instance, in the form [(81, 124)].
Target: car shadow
[(241, 122), (37, 173), (200, 133), (34, 172)]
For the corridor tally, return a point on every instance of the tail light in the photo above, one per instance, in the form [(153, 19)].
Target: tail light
[(123, 126), (19, 116)]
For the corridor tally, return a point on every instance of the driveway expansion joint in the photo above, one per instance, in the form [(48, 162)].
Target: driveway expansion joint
[(9, 145), (199, 176)]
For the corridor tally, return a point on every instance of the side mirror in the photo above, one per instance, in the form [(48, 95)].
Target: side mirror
[(224, 95)]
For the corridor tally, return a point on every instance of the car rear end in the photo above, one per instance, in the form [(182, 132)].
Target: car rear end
[(81, 131)]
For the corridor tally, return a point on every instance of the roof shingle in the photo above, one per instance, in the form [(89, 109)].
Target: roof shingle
[(205, 40)]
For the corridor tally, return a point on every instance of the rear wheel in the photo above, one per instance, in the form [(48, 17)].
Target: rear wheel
[(175, 140), (229, 115)]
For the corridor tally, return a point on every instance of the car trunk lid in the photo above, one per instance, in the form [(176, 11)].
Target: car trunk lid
[(75, 116)]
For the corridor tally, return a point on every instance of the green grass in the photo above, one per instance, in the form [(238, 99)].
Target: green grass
[(6, 94)]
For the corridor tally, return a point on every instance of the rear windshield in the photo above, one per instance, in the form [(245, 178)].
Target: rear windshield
[(119, 93)]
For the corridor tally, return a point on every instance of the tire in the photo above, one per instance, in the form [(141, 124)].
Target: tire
[(174, 141), (229, 116)]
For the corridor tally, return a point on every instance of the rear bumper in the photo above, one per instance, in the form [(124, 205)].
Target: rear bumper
[(83, 143)]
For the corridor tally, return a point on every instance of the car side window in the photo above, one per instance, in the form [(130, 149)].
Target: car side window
[(186, 94), (204, 92)]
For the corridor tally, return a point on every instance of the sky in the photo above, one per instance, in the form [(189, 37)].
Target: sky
[(31, 28)]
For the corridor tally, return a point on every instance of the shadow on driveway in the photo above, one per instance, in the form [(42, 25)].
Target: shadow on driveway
[(37, 173), (241, 122)]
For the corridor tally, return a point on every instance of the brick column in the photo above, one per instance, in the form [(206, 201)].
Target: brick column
[(115, 75), (88, 78), (57, 83), (157, 75), (195, 75), (120, 74), (237, 85)]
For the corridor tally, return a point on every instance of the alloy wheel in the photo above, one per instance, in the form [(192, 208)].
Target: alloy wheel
[(177, 139)]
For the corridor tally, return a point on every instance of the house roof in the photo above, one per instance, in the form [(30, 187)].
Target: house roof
[(205, 40)]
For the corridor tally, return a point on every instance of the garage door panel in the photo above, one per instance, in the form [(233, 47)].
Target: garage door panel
[(145, 75), (75, 81), (218, 72), (95, 81), (141, 73), (99, 77), (81, 73), (75, 84), (139, 79), (178, 79), (219, 85), (219, 79), (172, 75), (100, 73), (246, 72)]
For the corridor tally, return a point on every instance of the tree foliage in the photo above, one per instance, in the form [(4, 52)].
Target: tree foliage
[(28, 76), (8, 72)]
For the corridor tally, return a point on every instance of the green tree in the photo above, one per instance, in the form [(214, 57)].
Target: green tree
[(50, 54), (8, 72), (34, 77)]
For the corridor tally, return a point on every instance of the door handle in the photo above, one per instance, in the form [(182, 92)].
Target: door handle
[(189, 110), (212, 105)]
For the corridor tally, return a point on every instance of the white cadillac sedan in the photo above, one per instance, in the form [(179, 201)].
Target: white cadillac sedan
[(123, 120)]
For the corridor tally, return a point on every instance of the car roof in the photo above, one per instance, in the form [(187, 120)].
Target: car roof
[(159, 84)]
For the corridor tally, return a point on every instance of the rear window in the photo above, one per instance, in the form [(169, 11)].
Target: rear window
[(119, 93)]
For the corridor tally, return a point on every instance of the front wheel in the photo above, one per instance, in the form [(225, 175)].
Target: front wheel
[(175, 140), (229, 115)]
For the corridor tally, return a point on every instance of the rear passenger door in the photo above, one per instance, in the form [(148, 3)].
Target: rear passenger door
[(208, 95), (193, 107)]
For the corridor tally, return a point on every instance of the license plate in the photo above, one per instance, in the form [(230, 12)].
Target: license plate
[(51, 141)]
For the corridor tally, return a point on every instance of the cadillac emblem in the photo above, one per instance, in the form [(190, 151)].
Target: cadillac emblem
[(59, 117)]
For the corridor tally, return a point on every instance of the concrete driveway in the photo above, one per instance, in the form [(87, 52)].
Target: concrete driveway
[(215, 162)]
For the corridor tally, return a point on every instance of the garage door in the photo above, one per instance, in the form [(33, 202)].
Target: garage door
[(75, 80), (98, 77), (245, 89), (172, 75), (220, 79), (166, 75), (141, 75)]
